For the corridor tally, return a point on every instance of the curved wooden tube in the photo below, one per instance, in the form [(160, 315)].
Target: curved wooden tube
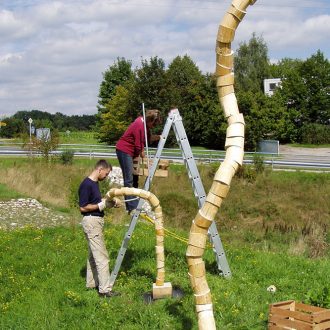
[(154, 202), (234, 158)]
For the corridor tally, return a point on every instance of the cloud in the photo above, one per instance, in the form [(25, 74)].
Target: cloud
[(53, 53)]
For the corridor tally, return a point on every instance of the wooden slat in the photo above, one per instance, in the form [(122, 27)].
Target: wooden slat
[(295, 324), (308, 308), (322, 326), (321, 316), (294, 314), (274, 327), (287, 303)]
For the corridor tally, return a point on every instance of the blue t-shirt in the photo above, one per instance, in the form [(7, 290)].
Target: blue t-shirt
[(89, 193)]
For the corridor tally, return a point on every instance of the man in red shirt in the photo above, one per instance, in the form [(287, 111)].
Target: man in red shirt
[(131, 145)]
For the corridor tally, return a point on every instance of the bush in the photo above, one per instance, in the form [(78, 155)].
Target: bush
[(247, 172), (74, 184), (315, 134), (66, 157), (258, 162)]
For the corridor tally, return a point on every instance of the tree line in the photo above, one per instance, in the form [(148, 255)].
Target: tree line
[(298, 112), (18, 125)]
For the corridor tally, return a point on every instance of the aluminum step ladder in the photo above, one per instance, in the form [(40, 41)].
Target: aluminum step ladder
[(175, 120)]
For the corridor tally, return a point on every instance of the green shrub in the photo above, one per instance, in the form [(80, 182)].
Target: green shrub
[(66, 157), (258, 162), (247, 172), (315, 134), (73, 192)]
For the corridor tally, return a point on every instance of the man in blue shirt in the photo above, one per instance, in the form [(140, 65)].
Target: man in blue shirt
[(92, 208)]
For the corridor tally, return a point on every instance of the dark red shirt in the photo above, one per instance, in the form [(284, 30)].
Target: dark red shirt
[(132, 141)]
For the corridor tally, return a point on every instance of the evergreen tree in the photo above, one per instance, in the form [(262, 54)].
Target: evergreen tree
[(251, 65)]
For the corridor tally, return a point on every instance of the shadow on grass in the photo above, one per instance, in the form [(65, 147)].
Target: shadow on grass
[(176, 309)]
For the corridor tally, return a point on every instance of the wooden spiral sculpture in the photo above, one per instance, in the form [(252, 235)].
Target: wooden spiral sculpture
[(160, 288), (234, 158)]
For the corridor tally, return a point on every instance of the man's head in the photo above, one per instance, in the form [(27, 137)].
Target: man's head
[(153, 118), (102, 169)]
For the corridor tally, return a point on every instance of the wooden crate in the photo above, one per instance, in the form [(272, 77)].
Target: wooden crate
[(291, 315), (140, 167)]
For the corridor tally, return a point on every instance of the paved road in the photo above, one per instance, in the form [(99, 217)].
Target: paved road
[(287, 150)]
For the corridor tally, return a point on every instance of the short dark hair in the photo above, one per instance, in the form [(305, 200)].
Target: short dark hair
[(102, 163)]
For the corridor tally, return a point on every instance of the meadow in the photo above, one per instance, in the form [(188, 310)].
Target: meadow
[(274, 227)]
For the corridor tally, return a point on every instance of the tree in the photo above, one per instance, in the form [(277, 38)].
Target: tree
[(315, 72), (44, 145), (184, 81), (117, 74), (265, 118), (14, 127), (114, 121), (251, 65), (305, 91), (149, 87)]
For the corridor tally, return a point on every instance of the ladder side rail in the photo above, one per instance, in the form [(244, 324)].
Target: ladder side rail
[(136, 214), (200, 193), (189, 160), (159, 151)]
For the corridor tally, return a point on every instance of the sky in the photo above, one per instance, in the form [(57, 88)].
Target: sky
[(53, 53)]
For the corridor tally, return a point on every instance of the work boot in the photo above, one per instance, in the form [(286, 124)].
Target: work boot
[(109, 294)]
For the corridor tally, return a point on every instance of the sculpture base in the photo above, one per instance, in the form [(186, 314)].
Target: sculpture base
[(164, 291)]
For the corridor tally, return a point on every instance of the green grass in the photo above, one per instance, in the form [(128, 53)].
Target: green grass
[(309, 145), (43, 285), (7, 193), (79, 137)]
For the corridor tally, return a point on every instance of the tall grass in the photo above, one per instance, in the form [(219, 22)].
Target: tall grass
[(290, 208)]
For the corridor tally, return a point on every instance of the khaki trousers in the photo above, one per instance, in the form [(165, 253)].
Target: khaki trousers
[(98, 273)]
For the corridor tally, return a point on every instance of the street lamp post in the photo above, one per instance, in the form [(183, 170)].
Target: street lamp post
[(30, 122)]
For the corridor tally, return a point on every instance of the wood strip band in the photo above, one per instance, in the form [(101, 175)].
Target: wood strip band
[(227, 60), (236, 154), (220, 189), (235, 129), (197, 270), (225, 34), (213, 199), (222, 70), (239, 14), (196, 229), (237, 118), (226, 80), (225, 90), (202, 221), (202, 308), (234, 141), (229, 104), (197, 239), (203, 299), (209, 210), (193, 251)]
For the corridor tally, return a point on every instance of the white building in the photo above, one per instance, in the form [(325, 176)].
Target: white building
[(270, 85)]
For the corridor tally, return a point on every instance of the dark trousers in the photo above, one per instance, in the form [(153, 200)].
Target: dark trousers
[(130, 179)]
